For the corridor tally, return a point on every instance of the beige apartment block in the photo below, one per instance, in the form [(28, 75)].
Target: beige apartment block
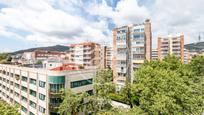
[(86, 54), (132, 45), (171, 45)]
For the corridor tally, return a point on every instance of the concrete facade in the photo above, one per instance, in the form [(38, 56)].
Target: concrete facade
[(171, 45), (132, 45), (86, 54), (38, 91)]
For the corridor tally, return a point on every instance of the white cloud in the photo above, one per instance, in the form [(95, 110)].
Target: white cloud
[(126, 12), (176, 16), (52, 21), (49, 25)]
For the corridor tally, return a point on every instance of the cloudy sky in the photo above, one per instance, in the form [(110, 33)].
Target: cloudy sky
[(33, 23)]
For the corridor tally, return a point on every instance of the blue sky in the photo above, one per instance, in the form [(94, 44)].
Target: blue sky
[(33, 23)]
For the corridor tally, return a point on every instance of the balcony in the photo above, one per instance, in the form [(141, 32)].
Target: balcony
[(56, 94), (54, 107)]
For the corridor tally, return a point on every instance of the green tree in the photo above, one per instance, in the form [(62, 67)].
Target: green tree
[(197, 65), (6, 109), (5, 58), (72, 103), (103, 83), (165, 87)]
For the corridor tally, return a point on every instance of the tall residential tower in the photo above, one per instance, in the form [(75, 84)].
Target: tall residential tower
[(131, 46)]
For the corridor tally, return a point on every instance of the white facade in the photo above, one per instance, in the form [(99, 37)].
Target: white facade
[(35, 90)]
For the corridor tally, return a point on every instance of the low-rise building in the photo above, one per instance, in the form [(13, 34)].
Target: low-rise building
[(38, 91)]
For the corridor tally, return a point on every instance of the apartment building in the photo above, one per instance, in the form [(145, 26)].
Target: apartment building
[(131, 46), (154, 54), (39, 55), (38, 91), (171, 45), (86, 54)]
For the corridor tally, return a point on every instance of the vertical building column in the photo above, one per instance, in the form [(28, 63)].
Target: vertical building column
[(170, 46), (159, 48), (182, 47), (114, 56), (148, 40)]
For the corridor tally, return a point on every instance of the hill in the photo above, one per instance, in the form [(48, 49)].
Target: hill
[(195, 46), (59, 48)]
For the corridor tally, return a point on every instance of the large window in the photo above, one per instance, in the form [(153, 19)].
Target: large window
[(42, 84), (24, 99), (32, 104), (31, 113), (24, 88), (32, 81), (24, 109), (81, 83), (56, 87), (41, 109), (24, 78), (33, 93), (41, 97)]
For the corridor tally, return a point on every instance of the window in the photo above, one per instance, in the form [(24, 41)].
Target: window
[(32, 81), (32, 104), (24, 99), (42, 84), (81, 83), (17, 85), (11, 74), (56, 87), (11, 82), (24, 109), (24, 78), (136, 30), (16, 94), (41, 109), (24, 88), (30, 113), (33, 93), (41, 97)]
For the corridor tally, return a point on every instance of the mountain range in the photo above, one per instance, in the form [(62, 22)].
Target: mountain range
[(195, 46), (59, 48)]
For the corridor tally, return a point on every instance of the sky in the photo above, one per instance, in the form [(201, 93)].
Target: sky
[(34, 23)]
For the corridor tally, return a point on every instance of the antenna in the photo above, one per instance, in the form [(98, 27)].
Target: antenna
[(199, 37)]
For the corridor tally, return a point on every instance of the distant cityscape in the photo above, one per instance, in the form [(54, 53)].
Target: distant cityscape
[(33, 79)]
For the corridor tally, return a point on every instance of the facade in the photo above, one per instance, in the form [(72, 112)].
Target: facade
[(39, 55), (43, 55), (131, 46), (86, 54), (106, 57), (38, 91), (154, 54), (109, 57), (171, 45)]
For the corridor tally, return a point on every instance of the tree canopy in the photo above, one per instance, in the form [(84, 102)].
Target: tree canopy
[(4, 57), (166, 87), (6, 109), (159, 88)]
